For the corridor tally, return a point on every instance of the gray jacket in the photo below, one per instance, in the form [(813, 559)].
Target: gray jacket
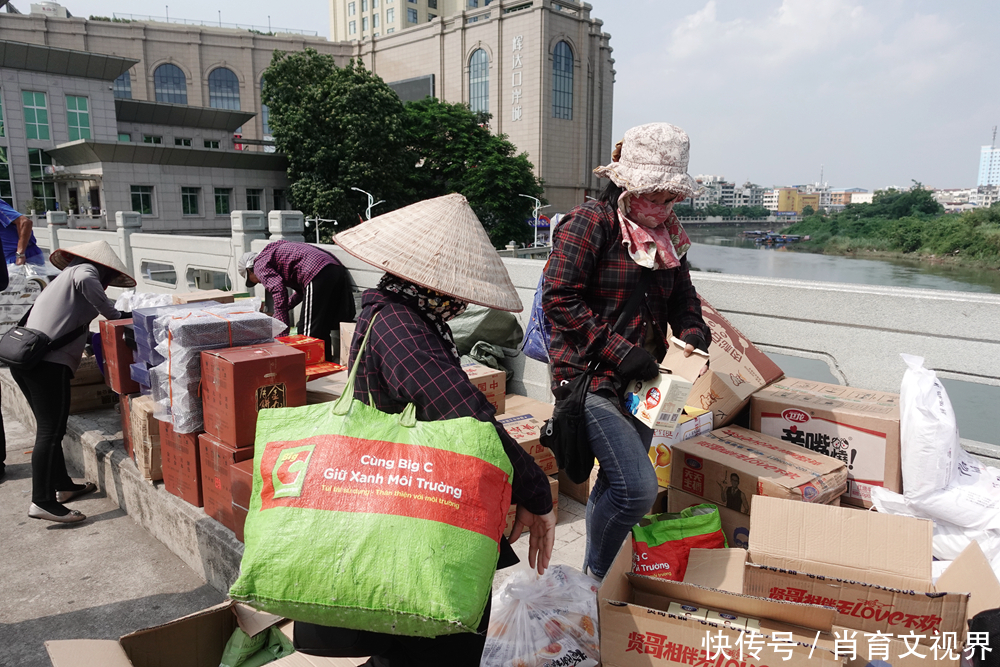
[(70, 301)]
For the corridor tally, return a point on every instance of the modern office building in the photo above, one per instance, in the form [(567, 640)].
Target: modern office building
[(542, 68), (989, 166)]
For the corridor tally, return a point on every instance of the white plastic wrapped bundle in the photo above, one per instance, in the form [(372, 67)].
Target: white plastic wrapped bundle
[(544, 621), (181, 336), (131, 300)]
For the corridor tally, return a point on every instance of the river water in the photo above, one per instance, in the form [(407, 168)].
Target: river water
[(722, 250)]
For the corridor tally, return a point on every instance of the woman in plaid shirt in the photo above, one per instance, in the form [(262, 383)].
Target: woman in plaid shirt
[(599, 250)]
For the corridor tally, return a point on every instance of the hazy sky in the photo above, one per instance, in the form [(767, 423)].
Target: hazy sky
[(879, 92)]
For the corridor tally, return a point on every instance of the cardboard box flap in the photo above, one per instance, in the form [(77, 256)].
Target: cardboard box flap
[(972, 573), (253, 621), (842, 543), (86, 653), (650, 592), (721, 569), (195, 640), (676, 363)]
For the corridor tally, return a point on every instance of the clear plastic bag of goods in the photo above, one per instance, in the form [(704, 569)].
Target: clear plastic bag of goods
[(131, 300), (544, 621)]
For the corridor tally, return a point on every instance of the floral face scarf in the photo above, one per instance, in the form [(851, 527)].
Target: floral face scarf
[(651, 232), (435, 307)]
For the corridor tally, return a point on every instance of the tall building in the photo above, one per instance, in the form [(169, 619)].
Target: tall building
[(989, 166)]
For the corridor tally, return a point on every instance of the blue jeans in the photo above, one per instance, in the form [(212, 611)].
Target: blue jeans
[(626, 484)]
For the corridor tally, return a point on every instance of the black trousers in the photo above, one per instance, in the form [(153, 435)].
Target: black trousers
[(46, 386), (462, 650), (328, 301)]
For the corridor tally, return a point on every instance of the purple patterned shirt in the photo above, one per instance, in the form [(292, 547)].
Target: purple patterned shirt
[(284, 264)]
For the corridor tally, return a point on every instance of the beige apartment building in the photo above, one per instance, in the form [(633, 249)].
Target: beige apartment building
[(542, 68)]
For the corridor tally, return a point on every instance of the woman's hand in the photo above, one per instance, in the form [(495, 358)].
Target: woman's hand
[(542, 535)]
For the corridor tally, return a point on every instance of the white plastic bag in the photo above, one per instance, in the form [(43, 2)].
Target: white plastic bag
[(544, 621), (131, 300), (928, 432)]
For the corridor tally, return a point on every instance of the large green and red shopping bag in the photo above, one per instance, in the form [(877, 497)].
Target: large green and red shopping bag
[(373, 521), (661, 543)]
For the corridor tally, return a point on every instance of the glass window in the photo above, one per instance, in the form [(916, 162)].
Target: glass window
[(352, 27), (374, 4), (432, 4), (208, 279), (6, 193), (189, 200), (142, 199), (222, 196), (255, 199), (122, 86), (265, 114), (562, 82), (479, 81), (36, 115), (375, 21), (170, 84), (364, 23), (124, 136), (279, 200), (42, 185), (158, 272), (411, 15), (431, 17), (211, 143), (390, 15), (390, 30), (364, 5), (223, 89), (351, 8), (473, 4), (179, 141), (152, 139), (77, 117)]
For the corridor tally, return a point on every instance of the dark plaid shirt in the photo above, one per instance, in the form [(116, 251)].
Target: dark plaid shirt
[(588, 280), (407, 361), (284, 264)]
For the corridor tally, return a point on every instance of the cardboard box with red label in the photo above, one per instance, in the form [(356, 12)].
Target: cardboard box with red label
[(736, 370), (117, 357), (239, 382), (659, 402), (526, 429), (181, 464), (856, 426), (491, 382), (313, 348), (732, 464), (217, 459)]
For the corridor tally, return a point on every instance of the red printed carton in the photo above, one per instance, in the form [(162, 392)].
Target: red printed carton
[(491, 382)]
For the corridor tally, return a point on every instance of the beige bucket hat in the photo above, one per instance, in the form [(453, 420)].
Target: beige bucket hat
[(439, 244), (98, 252), (653, 157)]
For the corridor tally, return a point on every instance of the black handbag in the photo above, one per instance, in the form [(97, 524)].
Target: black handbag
[(23, 348), (565, 433)]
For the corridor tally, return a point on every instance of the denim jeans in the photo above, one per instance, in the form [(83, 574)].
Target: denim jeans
[(626, 484)]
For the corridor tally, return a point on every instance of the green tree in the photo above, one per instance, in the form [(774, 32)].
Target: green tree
[(452, 150), (808, 211), (339, 127)]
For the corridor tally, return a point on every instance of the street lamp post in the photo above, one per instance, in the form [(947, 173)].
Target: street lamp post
[(316, 222), (368, 211), (538, 207)]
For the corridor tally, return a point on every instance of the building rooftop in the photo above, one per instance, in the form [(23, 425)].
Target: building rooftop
[(52, 60)]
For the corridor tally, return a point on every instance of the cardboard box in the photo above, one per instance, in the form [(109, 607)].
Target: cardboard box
[(693, 422), (85, 398), (659, 401), (346, 338), (241, 482), (239, 521), (515, 403), (732, 464), (526, 429), (327, 389), (217, 459), (321, 370), (637, 628), (88, 372), (181, 464), (856, 426), (736, 370), (124, 408), (512, 512), (117, 356), (216, 295), (491, 382), (146, 438), (873, 569), (313, 348), (735, 525), (578, 492), (238, 382)]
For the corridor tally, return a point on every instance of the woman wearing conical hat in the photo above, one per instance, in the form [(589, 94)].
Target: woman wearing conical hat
[(66, 307), (437, 259)]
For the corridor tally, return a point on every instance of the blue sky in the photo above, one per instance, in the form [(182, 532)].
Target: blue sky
[(879, 92)]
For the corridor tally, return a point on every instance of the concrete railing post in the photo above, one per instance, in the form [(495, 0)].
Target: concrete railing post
[(127, 224), (287, 225), (247, 226), (55, 219)]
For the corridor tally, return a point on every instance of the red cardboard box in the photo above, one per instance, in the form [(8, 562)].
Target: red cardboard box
[(241, 481), (181, 464), (126, 412), (317, 371), (238, 382), (239, 520), (217, 458), (117, 357), (313, 348)]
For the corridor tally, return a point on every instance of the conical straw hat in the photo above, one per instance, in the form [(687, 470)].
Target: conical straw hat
[(98, 252), (440, 244)]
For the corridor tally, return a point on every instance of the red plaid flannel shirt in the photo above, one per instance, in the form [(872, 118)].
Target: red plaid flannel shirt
[(588, 280), (407, 361), (285, 264)]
